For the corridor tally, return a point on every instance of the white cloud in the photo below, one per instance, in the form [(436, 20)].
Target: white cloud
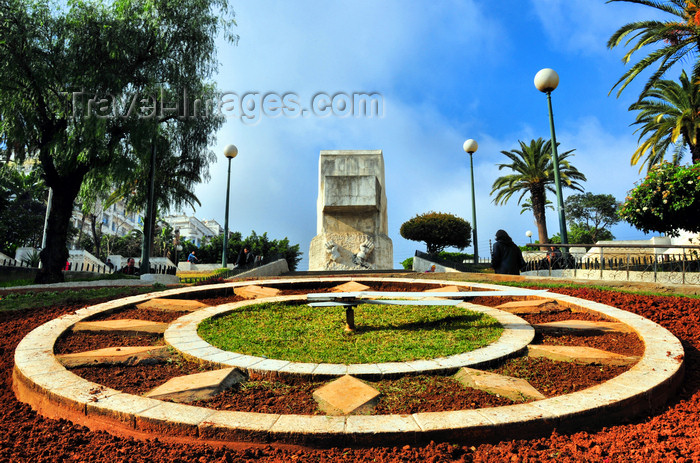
[(584, 26), (426, 59)]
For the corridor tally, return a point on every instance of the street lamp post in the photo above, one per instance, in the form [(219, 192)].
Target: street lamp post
[(546, 80), (230, 152), (470, 146), (529, 235), (145, 264)]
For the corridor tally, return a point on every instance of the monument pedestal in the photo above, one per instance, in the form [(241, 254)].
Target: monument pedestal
[(351, 213), (322, 255)]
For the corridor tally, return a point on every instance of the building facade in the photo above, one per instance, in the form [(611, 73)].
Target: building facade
[(193, 229), (114, 220)]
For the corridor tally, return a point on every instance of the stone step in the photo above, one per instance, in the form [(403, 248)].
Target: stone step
[(445, 289), (134, 355), (199, 386), (172, 305), (346, 395), (532, 306), (515, 389), (442, 289), (580, 354), (255, 291), (122, 326), (350, 287), (582, 327)]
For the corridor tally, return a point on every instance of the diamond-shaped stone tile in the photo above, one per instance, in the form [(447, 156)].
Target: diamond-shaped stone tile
[(116, 355), (532, 306), (346, 396), (350, 287), (506, 386), (442, 289), (173, 305), (255, 291), (580, 354), (582, 326), (124, 325), (199, 386)]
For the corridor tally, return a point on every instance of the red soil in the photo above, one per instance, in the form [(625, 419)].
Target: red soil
[(671, 434)]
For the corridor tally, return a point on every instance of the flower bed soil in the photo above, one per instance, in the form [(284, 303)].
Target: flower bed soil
[(294, 396), (134, 313), (85, 341), (670, 434), (287, 396)]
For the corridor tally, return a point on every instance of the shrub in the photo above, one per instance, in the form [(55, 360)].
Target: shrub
[(458, 257), (666, 201)]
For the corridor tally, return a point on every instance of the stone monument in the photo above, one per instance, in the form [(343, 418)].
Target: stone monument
[(351, 213)]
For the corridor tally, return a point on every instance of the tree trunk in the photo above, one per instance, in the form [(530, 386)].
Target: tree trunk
[(538, 200), (694, 152), (82, 224), (95, 238), (55, 255)]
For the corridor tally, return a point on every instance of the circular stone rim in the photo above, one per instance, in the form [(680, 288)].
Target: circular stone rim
[(39, 379), (182, 335)]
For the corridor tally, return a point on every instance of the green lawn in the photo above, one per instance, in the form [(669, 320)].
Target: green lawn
[(35, 299), (300, 333)]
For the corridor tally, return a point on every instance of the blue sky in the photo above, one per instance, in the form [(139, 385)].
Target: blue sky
[(447, 71)]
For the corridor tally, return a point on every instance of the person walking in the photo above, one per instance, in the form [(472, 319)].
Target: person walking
[(506, 257)]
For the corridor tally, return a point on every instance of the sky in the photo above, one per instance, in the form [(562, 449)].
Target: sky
[(445, 72)]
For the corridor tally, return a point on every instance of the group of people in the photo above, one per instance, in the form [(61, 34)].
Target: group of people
[(506, 257), (245, 258)]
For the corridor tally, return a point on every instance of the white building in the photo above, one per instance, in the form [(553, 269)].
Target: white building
[(214, 226), (193, 229), (114, 220)]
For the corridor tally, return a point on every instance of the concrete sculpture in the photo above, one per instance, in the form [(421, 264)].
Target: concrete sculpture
[(351, 213)]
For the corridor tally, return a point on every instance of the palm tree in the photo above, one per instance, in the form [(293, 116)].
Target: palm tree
[(669, 41), (534, 173), (668, 110)]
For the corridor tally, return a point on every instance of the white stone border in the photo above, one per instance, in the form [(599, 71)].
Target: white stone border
[(182, 335), (39, 377)]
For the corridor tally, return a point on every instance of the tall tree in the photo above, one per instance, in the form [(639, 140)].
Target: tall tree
[(533, 173), (66, 69), (668, 42), (667, 111), (592, 215)]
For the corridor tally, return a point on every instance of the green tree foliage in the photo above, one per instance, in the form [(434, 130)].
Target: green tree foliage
[(667, 42), (128, 245), (533, 173), (65, 67), (667, 111), (591, 216), (259, 245), (666, 201), (22, 208), (438, 230), (579, 234)]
